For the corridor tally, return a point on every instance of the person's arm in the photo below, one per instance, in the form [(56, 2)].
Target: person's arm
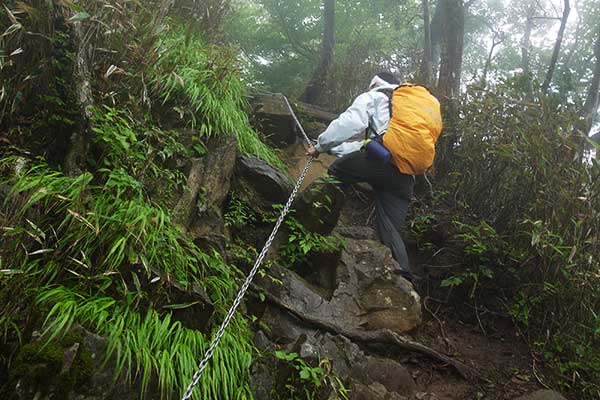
[(347, 148), (350, 123)]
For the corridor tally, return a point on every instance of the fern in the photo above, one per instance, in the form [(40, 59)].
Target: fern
[(203, 81)]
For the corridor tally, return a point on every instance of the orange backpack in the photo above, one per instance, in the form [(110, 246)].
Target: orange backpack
[(415, 125)]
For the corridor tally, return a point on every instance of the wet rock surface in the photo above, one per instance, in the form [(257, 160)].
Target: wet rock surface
[(199, 208), (273, 118), (542, 395), (319, 206), (72, 368), (368, 293), (259, 184), (348, 360)]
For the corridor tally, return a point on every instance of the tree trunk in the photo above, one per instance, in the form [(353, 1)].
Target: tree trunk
[(435, 27), (590, 107), (426, 69), (497, 40), (526, 47), (452, 32), (557, 44), (453, 26), (575, 46), (75, 159), (319, 77)]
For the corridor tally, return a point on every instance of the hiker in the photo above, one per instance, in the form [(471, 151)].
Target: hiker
[(387, 162)]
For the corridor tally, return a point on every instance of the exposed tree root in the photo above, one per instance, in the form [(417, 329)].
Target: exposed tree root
[(381, 336)]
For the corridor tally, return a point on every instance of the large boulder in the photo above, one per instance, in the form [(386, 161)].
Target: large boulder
[(272, 117), (368, 292), (259, 184)]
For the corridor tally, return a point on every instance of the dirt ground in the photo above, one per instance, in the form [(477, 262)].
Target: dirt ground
[(498, 355)]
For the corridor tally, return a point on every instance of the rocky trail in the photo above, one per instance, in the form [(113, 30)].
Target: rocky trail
[(387, 339), (346, 310)]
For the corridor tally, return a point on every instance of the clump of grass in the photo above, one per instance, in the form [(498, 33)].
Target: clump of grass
[(203, 82), (71, 243), (151, 345)]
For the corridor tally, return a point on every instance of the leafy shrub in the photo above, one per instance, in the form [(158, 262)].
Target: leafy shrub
[(308, 381), (302, 242), (521, 167)]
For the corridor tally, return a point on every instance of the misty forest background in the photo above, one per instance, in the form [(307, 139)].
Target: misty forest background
[(95, 95)]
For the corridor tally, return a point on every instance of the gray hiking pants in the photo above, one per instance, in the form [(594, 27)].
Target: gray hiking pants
[(393, 191)]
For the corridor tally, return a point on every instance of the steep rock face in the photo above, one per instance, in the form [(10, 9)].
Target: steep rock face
[(199, 209), (368, 293)]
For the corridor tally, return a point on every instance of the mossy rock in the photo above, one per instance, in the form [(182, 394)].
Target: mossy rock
[(40, 367)]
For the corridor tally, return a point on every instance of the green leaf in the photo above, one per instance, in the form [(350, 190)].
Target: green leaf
[(80, 16), (453, 281), (181, 306), (304, 374), (282, 355)]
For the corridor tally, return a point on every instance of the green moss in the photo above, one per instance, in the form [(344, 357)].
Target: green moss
[(40, 366)]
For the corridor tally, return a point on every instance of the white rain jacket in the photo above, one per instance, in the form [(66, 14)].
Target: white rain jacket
[(370, 108)]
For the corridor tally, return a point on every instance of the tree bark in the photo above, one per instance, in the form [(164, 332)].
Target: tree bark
[(426, 69), (453, 26), (319, 77), (75, 159), (526, 47), (557, 44), (590, 108), (435, 28)]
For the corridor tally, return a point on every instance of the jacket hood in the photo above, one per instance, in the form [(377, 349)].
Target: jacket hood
[(378, 83)]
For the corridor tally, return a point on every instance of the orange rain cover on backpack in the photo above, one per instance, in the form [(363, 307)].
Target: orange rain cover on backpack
[(415, 125)]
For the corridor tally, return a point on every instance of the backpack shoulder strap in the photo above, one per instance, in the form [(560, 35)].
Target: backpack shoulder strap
[(389, 93)]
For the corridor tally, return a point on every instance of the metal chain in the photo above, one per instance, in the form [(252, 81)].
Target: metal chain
[(215, 342), (297, 122)]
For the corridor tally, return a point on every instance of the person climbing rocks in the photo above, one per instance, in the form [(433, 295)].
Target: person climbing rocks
[(402, 124)]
